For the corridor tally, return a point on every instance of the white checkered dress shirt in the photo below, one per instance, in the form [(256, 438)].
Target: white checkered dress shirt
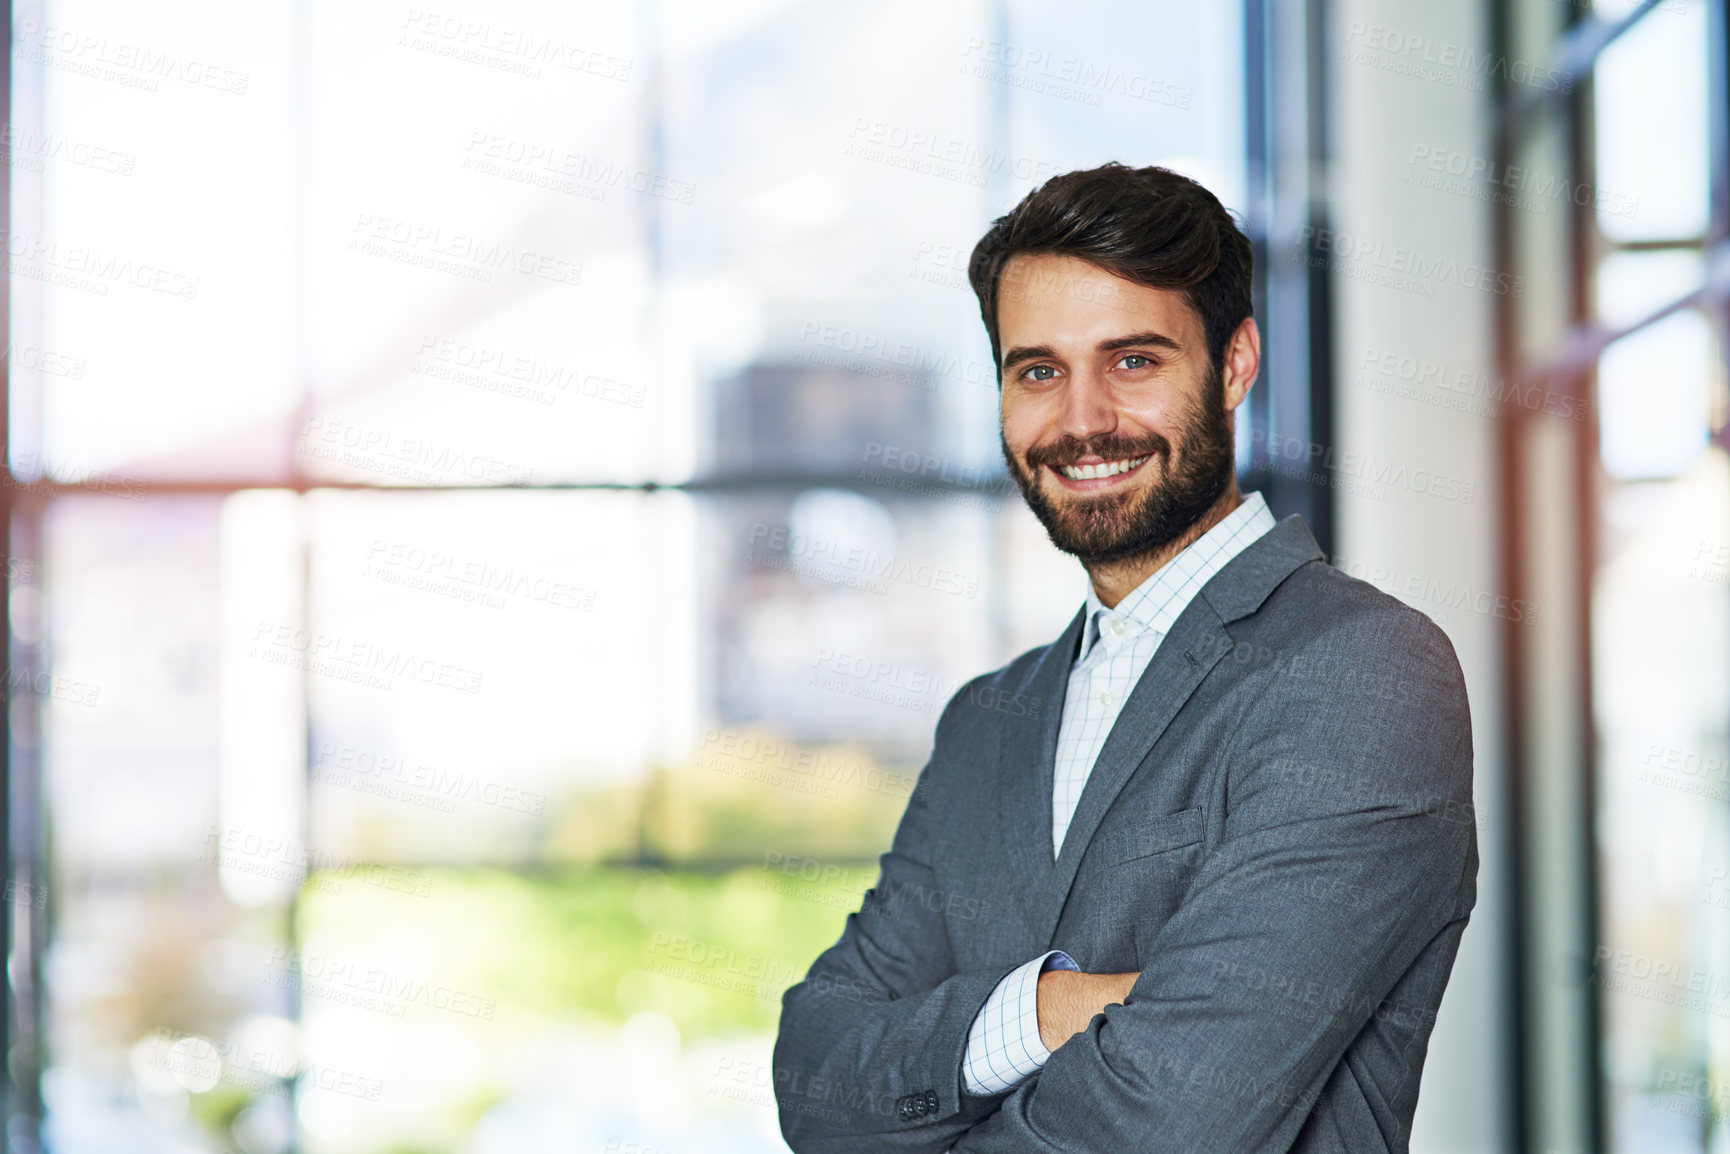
[(1003, 1046)]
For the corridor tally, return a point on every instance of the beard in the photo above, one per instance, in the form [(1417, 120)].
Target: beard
[(1110, 526)]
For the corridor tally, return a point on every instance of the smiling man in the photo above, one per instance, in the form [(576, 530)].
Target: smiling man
[(1200, 886)]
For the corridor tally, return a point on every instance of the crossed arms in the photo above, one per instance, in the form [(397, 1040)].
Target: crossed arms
[(1310, 907), (1069, 999)]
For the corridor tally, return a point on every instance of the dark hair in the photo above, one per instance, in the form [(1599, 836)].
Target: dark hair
[(1148, 225)]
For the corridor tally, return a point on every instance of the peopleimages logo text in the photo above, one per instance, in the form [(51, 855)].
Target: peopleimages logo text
[(1398, 259)]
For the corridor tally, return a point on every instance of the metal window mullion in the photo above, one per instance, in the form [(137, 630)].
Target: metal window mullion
[(1575, 55)]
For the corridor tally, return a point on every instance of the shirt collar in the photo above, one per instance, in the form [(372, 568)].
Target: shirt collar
[(1158, 601)]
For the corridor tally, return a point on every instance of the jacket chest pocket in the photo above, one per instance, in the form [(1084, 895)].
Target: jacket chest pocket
[(1147, 839), (1133, 880)]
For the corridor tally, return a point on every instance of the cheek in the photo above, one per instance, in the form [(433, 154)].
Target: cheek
[(1022, 424), (1161, 413)]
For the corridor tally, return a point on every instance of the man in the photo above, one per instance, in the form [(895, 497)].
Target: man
[(1192, 877)]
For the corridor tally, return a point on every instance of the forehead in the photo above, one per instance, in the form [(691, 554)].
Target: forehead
[(1046, 299)]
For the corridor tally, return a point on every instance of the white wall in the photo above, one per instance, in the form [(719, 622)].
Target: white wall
[(1404, 90)]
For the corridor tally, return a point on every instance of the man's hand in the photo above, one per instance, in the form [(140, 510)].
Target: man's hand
[(1068, 999)]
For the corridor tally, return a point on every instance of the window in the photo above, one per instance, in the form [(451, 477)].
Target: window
[(504, 496), (1616, 525)]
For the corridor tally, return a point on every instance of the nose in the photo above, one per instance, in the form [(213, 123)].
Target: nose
[(1088, 410)]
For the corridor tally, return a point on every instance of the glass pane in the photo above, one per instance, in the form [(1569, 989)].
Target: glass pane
[(1661, 611), (448, 629), (160, 1024), (1653, 398), (1631, 286), (1649, 115), (823, 242), (153, 239), (633, 1008), (1076, 97), (481, 192), (475, 659)]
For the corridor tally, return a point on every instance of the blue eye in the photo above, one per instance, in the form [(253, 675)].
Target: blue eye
[(1034, 372), (1141, 361)]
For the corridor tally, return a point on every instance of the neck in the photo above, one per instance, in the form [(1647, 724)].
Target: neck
[(1115, 580)]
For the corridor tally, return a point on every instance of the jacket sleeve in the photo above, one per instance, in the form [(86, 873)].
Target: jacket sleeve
[(870, 1047), (1347, 849)]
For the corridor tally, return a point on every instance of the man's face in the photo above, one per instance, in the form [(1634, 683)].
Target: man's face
[(1115, 423)]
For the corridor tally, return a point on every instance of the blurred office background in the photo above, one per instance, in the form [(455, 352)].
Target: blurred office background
[(500, 493)]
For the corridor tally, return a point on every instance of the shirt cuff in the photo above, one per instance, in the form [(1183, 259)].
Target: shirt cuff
[(1003, 1046)]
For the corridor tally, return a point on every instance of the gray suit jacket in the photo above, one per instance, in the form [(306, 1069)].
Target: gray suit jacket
[(1278, 835)]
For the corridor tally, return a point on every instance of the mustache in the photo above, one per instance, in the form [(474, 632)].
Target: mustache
[(1069, 449)]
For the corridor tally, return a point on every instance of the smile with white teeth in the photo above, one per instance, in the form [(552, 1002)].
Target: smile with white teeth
[(1093, 472)]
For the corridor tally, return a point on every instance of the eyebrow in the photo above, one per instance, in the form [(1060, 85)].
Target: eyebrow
[(1036, 352), (1158, 340)]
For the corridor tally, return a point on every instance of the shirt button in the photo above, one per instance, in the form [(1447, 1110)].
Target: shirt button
[(1105, 697), (1117, 626)]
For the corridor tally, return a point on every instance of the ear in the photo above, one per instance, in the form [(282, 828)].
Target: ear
[(1242, 363)]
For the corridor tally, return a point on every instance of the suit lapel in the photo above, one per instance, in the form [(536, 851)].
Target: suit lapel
[(1027, 757), (1189, 652)]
